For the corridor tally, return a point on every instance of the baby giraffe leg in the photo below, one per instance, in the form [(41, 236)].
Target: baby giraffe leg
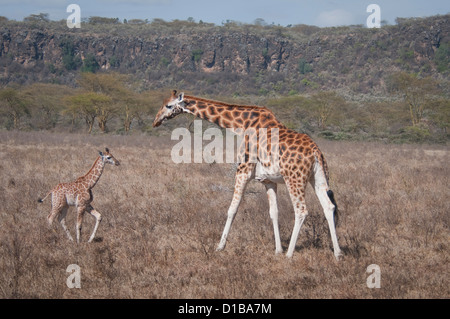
[(98, 218), (62, 221), (80, 214)]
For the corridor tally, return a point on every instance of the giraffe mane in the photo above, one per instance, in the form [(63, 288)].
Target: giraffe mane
[(90, 170), (250, 107)]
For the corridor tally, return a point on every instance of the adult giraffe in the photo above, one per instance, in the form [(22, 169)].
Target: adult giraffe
[(299, 160)]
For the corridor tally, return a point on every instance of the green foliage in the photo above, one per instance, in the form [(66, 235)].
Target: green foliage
[(41, 17), (418, 93), (114, 62), (90, 106), (102, 20), (196, 55), (304, 67), (413, 134), (70, 60), (90, 64), (13, 105), (164, 62), (442, 57)]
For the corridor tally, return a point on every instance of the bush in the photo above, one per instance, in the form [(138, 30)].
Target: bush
[(442, 57), (414, 134), (70, 60), (304, 67), (90, 64), (196, 55)]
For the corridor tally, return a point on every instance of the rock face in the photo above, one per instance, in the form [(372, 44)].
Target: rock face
[(335, 57)]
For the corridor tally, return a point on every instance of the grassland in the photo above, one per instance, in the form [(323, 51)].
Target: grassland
[(162, 222)]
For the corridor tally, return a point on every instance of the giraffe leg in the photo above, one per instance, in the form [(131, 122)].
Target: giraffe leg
[(300, 215), (53, 213), (329, 208), (271, 189), (80, 214), (98, 218), (243, 175), (297, 195), (56, 209), (62, 221)]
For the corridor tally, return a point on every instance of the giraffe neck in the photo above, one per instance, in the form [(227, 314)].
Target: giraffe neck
[(229, 115), (92, 177)]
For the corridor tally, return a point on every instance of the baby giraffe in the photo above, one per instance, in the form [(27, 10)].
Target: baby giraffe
[(79, 194)]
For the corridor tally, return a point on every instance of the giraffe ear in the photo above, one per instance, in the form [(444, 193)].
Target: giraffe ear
[(100, 153), (181, 96)]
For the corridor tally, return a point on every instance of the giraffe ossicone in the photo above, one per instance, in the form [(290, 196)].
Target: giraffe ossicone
[(299, 161), (79, 194)]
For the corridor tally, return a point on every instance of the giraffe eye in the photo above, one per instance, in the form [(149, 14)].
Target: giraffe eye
[(108, 157), (169, 106)]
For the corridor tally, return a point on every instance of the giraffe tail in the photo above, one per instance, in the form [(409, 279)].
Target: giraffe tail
[(41, 200), (323, 164)]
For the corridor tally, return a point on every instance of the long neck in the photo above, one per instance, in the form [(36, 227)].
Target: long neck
[(230, 115), (92, 177)]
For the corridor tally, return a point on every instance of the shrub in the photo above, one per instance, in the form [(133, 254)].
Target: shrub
[(90, 64), (304, 67), (196, 55), (442, 57)]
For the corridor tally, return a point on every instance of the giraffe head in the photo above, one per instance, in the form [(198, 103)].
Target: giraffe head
[(171, 108), (107, 157)]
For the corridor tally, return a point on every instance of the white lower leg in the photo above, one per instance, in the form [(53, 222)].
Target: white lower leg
[(79, 223), (329, 209), (98, 219), (330, 219), (63, 224), (272, 196), (226, 230), (78, 234), (62, 221), (299, 219)]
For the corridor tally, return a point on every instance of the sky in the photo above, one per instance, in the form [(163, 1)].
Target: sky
[(322, 13)]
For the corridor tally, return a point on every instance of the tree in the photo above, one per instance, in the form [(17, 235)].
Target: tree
[(107, 83), (70, 60), (323, 104), (41, 17), (14, 105), (45, 103), (90, 106), (110, 85), (417, 93), (260, 22)]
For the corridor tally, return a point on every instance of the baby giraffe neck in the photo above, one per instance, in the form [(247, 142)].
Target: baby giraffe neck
[(92, 177)]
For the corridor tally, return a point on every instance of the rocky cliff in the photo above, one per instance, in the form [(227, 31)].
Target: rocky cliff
[(229, 58)]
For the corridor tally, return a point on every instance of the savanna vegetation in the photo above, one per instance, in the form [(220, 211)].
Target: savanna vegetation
[(415, 110), (162, 222)]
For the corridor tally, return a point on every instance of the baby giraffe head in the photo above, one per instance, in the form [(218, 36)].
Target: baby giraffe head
[(171, 108), (108, 158)]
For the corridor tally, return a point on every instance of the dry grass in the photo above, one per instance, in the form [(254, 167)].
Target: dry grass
[(162, 222)]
